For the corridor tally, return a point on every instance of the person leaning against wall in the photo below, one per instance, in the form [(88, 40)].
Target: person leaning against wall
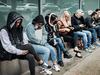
[(13, 43)]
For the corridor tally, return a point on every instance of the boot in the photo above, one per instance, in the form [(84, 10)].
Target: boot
[(67, 55)]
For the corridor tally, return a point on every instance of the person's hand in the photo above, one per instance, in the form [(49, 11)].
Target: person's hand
[(67, 29), (94, 25), (41, 43), (25, 52), (81, 25), (72, 28)]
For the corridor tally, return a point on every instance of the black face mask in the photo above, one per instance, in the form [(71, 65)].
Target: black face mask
[(54, 22)]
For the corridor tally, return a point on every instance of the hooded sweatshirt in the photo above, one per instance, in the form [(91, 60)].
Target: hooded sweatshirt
[(6, 38), (31, 31), (52, 30)]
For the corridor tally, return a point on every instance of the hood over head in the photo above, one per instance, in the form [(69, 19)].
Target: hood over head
[(48, 18), (12, 18), (38, 19)]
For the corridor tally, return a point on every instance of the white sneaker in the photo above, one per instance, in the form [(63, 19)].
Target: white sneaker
[(55, 67), (45, 66), (45, 72)]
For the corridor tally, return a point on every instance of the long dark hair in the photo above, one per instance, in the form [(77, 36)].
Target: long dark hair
[(17, 32)]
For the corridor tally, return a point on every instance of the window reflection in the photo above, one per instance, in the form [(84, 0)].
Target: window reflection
[(27, 8)]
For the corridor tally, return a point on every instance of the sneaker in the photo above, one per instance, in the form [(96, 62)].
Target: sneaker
[(87, 50), (55, 67), (45, 66), (96, 44), (91, 47), (45, 72)]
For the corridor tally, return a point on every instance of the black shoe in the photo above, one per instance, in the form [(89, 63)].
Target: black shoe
[(78, 56), (61, 63), (67, 55)]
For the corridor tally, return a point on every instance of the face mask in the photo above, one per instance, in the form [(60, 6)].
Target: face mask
[(54, 22)]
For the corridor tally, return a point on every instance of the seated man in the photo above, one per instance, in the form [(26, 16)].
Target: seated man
[(97, 21), (78, 23), (37, 35), (92, 26)]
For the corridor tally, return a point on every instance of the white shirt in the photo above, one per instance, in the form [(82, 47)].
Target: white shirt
[(5, 41)]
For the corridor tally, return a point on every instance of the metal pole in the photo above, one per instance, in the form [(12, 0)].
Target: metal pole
[(79, 4), (40, 6), (99, 4)]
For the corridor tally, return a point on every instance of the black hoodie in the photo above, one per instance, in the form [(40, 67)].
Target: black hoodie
[(9, 27)]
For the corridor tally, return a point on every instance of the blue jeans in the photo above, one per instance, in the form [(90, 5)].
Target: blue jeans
[(45, 50), (59, 47), (98, 29), (85, 35), (93, 33)]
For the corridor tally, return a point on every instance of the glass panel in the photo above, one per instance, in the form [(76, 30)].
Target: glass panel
[(27, 8), (87, 5), (59, 6)]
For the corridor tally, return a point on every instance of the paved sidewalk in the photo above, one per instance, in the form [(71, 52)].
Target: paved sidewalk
[(88, 66)]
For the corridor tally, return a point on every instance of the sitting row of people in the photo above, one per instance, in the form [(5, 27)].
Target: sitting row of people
[(42, 38)]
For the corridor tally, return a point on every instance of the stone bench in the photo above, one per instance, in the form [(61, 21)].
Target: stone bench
[(17, 67)]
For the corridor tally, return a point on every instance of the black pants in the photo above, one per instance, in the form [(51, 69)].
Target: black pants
[(31, 56), (71, 37)]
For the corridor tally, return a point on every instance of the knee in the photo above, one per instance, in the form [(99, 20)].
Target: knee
[(29, 46), (75, 34), (93, 31), (47, 51), (59, 40), (30, 57), (84, 35), (89, 34)]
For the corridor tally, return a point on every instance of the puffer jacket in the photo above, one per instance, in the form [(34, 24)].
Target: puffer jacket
[(50, 28)]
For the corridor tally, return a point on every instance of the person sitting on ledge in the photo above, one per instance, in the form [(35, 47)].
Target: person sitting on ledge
[(14, 45)]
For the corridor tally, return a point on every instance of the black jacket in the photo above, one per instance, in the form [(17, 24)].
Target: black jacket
[(76, 22), (12, 18), (97, 21), (50, 29), (90, 21)]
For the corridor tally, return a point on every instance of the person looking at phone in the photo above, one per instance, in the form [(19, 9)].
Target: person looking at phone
[(78, 23), (92, 26), (13, 43)]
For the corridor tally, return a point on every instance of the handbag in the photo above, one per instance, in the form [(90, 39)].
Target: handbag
[(80, 43)]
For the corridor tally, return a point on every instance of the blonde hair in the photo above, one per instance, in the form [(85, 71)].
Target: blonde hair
[(62, 18)]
